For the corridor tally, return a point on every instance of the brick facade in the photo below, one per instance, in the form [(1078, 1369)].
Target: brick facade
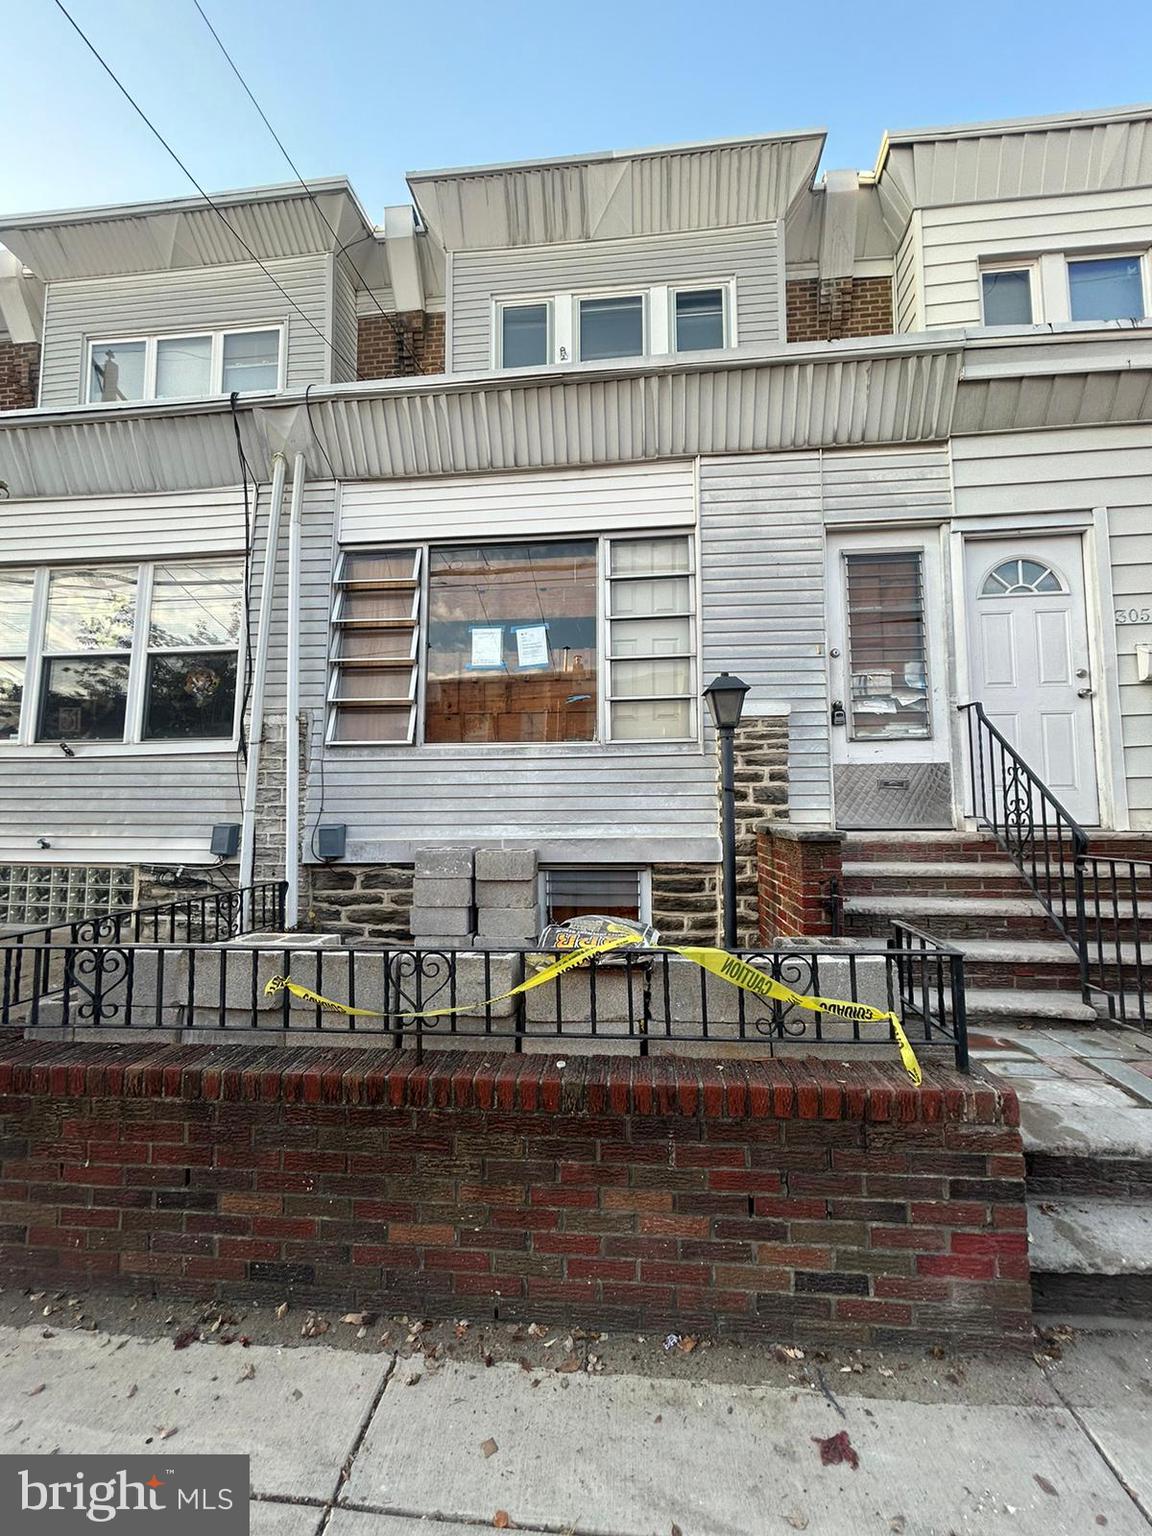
[(19, 375), (800, 874), (402, 344), (829, 309), (795, 1199)]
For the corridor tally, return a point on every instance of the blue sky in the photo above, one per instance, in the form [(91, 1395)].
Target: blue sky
[(373, 89)]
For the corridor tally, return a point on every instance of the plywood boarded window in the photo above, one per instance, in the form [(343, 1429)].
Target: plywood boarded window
[(887, 654)]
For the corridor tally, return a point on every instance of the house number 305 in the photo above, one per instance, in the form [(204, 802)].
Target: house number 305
[(1134, 615)]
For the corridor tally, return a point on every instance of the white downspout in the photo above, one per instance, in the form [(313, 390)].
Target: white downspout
[(259, 678), (292, 772)]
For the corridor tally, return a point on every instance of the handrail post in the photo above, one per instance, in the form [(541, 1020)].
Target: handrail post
[(1081, 921), (959, 1012)]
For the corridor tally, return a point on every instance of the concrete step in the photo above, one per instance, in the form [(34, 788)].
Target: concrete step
[(920, 847), (954, 916), (1019, 1005), (1091, 1255), (995, 877)]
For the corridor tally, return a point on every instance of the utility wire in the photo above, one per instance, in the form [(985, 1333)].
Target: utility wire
[(398, 330), (218, 211)]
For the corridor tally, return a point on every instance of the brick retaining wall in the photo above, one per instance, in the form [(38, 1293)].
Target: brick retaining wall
[(792, 1198)]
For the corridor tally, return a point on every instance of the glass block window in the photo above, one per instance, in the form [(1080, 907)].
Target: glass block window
[(887, 646), (34, 895)]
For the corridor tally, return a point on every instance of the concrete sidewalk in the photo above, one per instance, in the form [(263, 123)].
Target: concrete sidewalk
[(359, 1444)]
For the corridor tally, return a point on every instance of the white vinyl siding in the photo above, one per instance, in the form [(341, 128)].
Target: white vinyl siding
[(194, 300), (114, 527), (344, 324), (957, 240), (1110, 467), (749, 258), (624, 802), (909, 298)]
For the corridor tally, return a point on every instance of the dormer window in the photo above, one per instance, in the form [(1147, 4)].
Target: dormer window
[(1106, 288), (1007, 295), (699, 319), (611, 327), (525, 335), (184, 367)]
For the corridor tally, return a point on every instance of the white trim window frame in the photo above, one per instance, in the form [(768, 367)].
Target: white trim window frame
[(1141, 254), (500, 306), (608, 627), (1035, 287), (137, 652), (727, 291), (152, 342), (594, 296), (643, 875)]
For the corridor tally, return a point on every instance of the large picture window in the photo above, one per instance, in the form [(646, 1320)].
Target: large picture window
[(120, 653), (538, 641)]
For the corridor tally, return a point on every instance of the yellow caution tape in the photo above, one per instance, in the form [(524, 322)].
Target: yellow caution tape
[(718, 962)]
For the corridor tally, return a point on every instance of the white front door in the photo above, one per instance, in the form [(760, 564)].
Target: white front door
[(1029, 661), (888, 680)]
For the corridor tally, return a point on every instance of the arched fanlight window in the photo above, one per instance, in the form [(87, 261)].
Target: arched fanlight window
[(1016, 578)]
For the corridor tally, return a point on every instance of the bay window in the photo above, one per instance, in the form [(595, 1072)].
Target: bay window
[(530, 641), (184, 367), (120, 653)]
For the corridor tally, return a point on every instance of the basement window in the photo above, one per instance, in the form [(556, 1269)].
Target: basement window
[(569, 891)]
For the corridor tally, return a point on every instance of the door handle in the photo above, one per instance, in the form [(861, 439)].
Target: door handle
[(1084, 693)]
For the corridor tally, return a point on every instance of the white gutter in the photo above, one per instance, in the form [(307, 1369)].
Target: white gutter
[(259, 677), (292, 712)]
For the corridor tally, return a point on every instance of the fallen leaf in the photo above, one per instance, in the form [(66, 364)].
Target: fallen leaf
[(182, 1340), (571, 1364), (462, 1328), (132, 1390), (535, 1330), (835, 1449), (687, 1344), (36, 1391), (676, 1531), (788, 1352), (489, 1447), (797, 1521), (247, 1374), (413, 1379), (1042, 1482), (897, 1524), (282, 1309), (314, 1326), (359, 1319), (501, 1520), (165, 1434)]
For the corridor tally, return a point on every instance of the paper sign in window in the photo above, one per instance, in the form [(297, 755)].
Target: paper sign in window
[(487, 646), (532, 646)]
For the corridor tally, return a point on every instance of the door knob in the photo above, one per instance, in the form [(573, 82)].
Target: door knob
[(1081, 671), (1083, 693)]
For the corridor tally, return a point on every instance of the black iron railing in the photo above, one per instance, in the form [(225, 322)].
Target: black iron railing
[(1027, 821), (654, 1000), (33, 958), (930, 987), (1116, 959)]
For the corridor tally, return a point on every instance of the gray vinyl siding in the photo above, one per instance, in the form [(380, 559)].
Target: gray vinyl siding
[(137, 806), (909, 301), (957, 239), (210, 297), (749, 255), (610, 802), (1076, 471), (762, 575), (344, 326), (886, 484)]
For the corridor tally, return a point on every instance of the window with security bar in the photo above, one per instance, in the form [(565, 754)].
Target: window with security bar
[(585, 890), (32, 895), (887, 646)]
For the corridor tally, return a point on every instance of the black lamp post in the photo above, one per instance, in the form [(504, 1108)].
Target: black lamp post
[(725, 695)]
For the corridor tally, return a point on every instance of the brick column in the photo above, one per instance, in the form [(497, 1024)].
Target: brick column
[(795, 869)]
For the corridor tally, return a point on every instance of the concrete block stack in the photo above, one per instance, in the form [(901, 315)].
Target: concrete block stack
[(507, 894), (443, 899)]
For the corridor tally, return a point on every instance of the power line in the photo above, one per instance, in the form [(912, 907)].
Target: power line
[(398, 330), (219, 212)]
